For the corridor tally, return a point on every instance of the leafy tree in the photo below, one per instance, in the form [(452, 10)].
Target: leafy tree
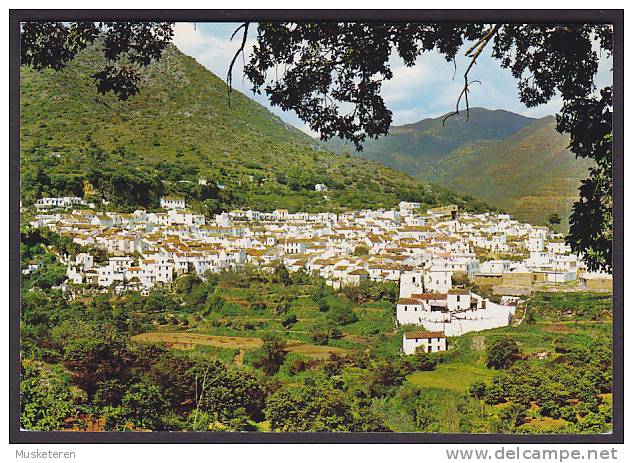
[(477, 390), (422, 361), (288, 320), (323, 305), (460, 279), (255, 300), (215, 303), (502, 354), (96, 358), (127, 47), (160, 301), (385, 376), (272, 354), (322, 332), (317, 409), (342, 315), (47, 399), (279, 303), (184, 284), (426, 411), (371, 291), (493, 395), (143, 406), (281, 275), (593, 423), (510, 417), (229, 392), (109, 392)]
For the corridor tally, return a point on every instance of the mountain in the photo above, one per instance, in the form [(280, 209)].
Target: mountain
[(179, 129), (516, 163), (414, 148), (531, 173)]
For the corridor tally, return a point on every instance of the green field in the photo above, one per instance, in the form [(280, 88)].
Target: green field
[(452, 376)]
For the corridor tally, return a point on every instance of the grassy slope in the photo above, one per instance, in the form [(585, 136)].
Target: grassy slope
[(417, 147), (530, 173), (182, 118)]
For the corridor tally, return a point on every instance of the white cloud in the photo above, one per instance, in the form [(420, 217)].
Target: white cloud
[(406, 83), (430, 88), (214, 50), (547, 109), (187, 35)]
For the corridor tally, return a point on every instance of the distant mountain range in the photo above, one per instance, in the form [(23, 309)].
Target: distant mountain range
[(180, 129), (516, 163)]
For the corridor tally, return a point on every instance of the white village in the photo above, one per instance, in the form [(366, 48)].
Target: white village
[(420, 249)]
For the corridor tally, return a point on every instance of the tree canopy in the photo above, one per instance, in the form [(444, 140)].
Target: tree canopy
[(127, 47)]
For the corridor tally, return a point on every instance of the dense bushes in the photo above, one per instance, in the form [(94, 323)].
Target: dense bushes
[(319, 408), (571, 387), (560, 306)]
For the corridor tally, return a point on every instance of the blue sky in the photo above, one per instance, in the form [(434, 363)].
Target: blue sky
[(424, 90)]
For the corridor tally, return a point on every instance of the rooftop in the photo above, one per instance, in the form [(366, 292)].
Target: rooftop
[(424, 335)]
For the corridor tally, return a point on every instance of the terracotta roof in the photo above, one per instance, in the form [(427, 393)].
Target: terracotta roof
[(429, 296), (459, 291), (424, 334)]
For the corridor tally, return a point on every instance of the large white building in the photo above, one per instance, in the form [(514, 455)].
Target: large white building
[(452, 311)]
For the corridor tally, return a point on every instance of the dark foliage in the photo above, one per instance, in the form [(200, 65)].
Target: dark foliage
[(127, 46), (502, 354)]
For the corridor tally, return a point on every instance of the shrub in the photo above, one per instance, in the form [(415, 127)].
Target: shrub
[(502, 354)]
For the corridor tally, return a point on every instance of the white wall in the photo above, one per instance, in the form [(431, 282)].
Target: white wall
[(409, 346), (411, 283)]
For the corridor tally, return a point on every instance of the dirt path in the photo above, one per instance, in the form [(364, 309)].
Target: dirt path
[(226, 342), (186, 341)]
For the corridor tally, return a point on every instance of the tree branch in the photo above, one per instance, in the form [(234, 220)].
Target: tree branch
[(240, 50), (473, 52)]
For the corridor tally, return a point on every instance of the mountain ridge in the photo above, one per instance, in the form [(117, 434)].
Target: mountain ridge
[(516, 163), (180, 129)]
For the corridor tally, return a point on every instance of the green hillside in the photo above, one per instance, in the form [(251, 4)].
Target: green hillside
[(416, 148), (180, 129), (531, 173), (514, 162)]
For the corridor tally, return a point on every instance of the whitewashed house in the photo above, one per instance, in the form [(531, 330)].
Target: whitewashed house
[(535, 243), (65, 201), (438, 280), (294, 246), (558, 247), (411, 283), (172, 202), (427, 341)]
